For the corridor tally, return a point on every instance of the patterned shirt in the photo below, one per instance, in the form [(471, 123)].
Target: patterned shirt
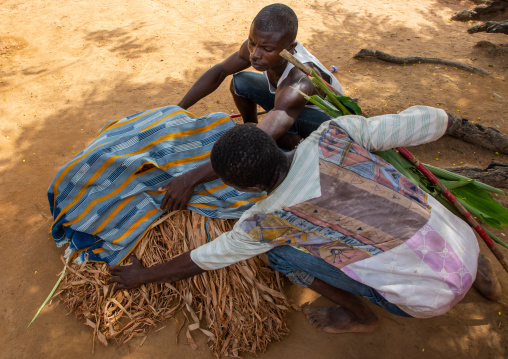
[(341, 203)]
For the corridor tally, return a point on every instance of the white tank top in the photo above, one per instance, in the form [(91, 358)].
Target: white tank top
[(304, 56)]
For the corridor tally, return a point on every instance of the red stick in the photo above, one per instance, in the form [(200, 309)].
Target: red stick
[(462, 210)]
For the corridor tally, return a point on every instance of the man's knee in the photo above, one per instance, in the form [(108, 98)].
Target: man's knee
[(281, 259), (232, 87)]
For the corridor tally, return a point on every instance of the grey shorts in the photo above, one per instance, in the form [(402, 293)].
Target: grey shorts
[(254, 86)]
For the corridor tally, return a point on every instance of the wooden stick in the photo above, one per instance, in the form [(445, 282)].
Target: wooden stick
[(302, 67), (462, 210), (416, 60), (288, 56)]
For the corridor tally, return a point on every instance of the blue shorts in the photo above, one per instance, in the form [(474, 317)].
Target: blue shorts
[(254, 86), (301, 268)]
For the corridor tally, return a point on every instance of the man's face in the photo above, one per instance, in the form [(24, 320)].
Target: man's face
[(264, 49), (255, 189)]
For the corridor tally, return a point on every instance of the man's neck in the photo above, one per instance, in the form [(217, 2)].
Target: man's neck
[(282, 175), (274, 74)]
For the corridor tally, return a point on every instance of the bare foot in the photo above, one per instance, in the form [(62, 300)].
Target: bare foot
[(340, 320), (486, 281)]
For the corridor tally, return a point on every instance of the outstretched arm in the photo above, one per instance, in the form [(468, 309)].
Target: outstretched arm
[(411, 127), (132, 276), (212, 78)]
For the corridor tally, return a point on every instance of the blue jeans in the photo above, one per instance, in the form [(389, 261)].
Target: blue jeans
[(254, 87), (301, 268)]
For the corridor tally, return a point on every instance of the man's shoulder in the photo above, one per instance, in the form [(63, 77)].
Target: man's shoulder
[(296, 79)]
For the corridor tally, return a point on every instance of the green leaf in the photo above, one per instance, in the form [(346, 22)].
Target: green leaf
[(444, 174), (455, 184), (482, 205), (52, 291), (407, 169), (351, 105), (322, 104)]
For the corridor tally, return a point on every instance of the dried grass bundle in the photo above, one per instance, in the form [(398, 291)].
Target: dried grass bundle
[(242, 307)]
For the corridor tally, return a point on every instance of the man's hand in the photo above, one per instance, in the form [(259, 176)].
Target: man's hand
[(177, 268), (127, 277), (178, 193)]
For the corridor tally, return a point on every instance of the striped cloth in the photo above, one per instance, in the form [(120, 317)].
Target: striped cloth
[(105, 198)]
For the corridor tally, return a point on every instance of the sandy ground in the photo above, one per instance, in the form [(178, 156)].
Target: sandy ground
[(67, 67)]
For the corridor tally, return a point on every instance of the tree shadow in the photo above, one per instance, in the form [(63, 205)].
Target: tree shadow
[(128, 41), (61, 135)]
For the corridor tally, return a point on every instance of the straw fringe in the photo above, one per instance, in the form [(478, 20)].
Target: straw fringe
[(240, 308)]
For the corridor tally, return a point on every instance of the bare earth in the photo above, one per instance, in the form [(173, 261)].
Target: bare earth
[(67, 67)]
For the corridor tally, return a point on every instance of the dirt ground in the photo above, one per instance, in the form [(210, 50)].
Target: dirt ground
[(67, 67)]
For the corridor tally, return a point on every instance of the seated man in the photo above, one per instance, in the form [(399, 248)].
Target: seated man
[(290, 117), (341, 221), (273, 29)]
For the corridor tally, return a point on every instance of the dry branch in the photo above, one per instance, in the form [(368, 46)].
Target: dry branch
[(480, 11), (416, 60), (486, 137), (240, 308), (499, 27)]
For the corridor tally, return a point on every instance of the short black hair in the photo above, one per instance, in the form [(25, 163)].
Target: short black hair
[(246, 156), (278, 18)]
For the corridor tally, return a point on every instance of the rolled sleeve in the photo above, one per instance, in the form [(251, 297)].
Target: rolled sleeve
[(227, 249), (411, 127)]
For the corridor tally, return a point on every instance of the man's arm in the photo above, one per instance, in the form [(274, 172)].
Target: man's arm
[(227, 249), (132, 276), (414, 126), (288, 104), (211, 79)]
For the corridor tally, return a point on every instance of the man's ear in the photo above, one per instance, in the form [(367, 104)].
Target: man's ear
[(257, 189), (291, 47)]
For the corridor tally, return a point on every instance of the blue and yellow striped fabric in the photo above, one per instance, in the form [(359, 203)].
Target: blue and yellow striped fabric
[(105, 199)]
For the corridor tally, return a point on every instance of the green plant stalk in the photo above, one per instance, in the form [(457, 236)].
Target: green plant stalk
[(52, 291), (320, 83), (322, 104), (495, 238), (447, 175)]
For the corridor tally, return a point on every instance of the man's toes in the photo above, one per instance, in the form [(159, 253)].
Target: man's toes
[(307, 310), (311, 317), (313, 321)]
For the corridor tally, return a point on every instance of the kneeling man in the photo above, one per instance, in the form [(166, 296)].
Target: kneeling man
[(341, 221)]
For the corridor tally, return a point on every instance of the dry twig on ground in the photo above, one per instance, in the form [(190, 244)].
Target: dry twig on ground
[(486, 137), (416, 60)]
